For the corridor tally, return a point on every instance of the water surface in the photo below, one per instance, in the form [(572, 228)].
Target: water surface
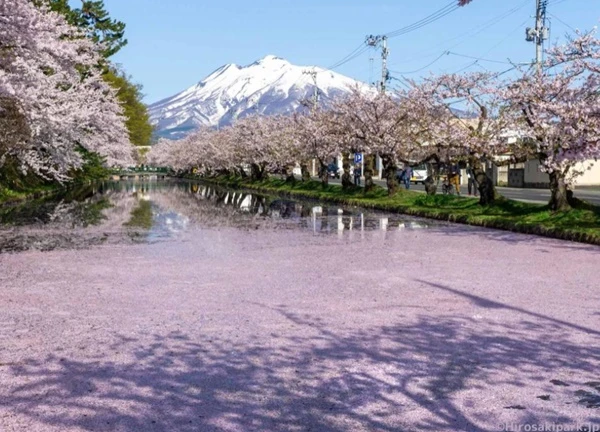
[(118, 212)]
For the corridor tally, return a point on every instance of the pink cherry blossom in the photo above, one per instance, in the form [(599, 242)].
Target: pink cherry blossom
[(49, 69)]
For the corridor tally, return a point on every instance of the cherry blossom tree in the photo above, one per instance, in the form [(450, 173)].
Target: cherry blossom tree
[(378, 122), (252, 134), (160, 153), (552, 115), (221, 153), (478, 132), (317, 139), (13, 124), (49, 74), (558, 109), (426, 139), (285, 143)]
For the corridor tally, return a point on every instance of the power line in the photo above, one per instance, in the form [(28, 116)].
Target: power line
[(476, 62), (400, 81), (439, 14), (355, 53), (506, 37), (477, 58), (450, 7), (424, 67), (561, 21), (480, 28)]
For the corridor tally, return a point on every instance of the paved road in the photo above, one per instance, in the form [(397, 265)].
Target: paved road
[(591, 195)]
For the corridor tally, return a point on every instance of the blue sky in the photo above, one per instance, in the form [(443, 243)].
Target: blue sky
[(174, 44)]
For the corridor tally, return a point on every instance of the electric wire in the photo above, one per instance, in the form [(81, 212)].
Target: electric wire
[(561, 21), (464, 68), (477, 58), (400, 81), (476, 63), (435, 16), (506, 37), (357, 51), (440, 13), (479, 29), (450, 7), (424, 67)]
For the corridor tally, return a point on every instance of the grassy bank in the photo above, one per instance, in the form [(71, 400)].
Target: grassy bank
[(8, 196), (580, 224), (17, 186)]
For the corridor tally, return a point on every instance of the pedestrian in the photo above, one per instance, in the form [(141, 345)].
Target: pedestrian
[(472, 181), (454, 177), (407, 176), (357, 174)]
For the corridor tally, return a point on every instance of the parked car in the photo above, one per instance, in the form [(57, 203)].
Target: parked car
[(419, 174), (333, 171)]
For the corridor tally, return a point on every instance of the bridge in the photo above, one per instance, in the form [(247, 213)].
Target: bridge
[(150, 174)]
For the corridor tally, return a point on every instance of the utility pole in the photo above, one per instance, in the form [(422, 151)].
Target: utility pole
[(385, 75), (376, 41), (380, 41), (540, 33), (313, 74)]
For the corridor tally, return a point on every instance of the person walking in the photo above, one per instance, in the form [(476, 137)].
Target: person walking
[(472, 182), (357, 175), (407, 176), (454, 177)]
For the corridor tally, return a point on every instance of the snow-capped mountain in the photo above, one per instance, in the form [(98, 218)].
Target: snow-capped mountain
[(269, 86)]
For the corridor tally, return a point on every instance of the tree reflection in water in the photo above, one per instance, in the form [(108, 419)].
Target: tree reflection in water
[(134, 211)]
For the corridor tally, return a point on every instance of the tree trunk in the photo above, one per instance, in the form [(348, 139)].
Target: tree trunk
[(369, 168), (258, 172), (346, 180), (324, 219), (242, 172), (255, 173), (289, 175), (487, 190), (254, 204), (305, 171), (323, 174), (559, 194), (14, 126), (433, 178), (221, 195), (389, 171)]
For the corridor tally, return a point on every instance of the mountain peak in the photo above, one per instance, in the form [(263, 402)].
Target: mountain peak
[(271, 85), (270, 58)]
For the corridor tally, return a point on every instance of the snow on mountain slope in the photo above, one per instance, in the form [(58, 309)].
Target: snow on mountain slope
[(269, 86)]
